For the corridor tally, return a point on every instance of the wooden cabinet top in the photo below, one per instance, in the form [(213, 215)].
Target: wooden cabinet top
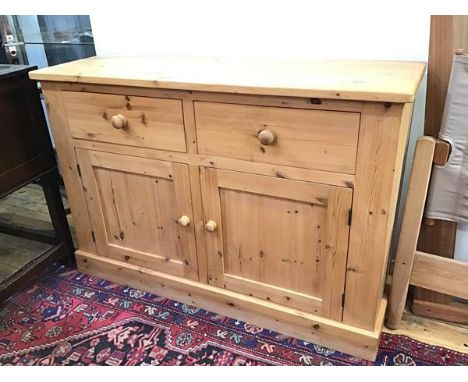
[(387, 81)]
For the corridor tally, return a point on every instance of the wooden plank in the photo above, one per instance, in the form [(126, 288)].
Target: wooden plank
[(317, 139), (436, 237), (413, 212), (336, 246), (454, 311), (313, 328), (91, 193), (212, 211), (185, 234), (389, 81), (198, 222), (383, 137), (440, 274), (69, 166)]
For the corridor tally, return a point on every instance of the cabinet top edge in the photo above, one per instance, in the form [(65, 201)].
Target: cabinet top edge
[(380, 81)]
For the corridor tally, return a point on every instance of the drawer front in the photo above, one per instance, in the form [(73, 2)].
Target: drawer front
[(316, 139), (150, 122)]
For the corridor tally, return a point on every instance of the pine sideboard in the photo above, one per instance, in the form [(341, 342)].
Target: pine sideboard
[(262, 190)]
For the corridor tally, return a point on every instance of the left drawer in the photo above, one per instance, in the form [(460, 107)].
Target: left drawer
[(126, 120)]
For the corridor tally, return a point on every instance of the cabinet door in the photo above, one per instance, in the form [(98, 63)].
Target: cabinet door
[(136, 206), (280, 240)]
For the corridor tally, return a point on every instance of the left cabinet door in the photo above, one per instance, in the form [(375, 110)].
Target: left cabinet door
[(141, 211)]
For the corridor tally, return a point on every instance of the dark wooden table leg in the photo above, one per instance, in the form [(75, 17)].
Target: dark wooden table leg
[(57, 213)]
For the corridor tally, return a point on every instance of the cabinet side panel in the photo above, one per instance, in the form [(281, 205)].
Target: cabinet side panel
[(382, 144), (68, 165)]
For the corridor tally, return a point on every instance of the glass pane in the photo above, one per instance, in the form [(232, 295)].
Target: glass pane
[(46, 40)]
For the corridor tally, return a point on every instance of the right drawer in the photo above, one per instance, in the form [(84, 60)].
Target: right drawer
[(315, 139)]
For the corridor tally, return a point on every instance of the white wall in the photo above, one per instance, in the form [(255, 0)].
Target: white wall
[(288, 29), (261, 28)]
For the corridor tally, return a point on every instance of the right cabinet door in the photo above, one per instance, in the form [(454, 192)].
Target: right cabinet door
[(281, 240)]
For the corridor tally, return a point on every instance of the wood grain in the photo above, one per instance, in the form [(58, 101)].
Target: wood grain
[(135, 204), (448, 35), (440, 274), (280, 240), (454, 311), (152, 122), (413, 212), (383, 136), (386, 81), (322, 140)]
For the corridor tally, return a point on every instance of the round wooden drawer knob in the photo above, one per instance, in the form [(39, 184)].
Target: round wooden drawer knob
[(119, 121), (183, 221), (211, 226), (266, 137)]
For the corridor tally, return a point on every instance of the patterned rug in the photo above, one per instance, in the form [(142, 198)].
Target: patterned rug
[(68, 318)]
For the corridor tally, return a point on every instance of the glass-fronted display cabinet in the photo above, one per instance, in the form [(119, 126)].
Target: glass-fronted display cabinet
[(44, 40)]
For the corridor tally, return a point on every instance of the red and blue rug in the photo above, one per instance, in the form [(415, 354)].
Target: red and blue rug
[(68, 318)]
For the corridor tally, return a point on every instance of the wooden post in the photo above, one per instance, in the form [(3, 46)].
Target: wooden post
[(414, 209)]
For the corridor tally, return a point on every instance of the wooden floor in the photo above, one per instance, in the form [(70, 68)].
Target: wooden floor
[(27, 208), (451, 336), (16, 253)]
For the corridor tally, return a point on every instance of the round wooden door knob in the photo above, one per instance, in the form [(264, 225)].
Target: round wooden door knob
[(119, 121), (266, 137), (211, 226), (183, 221)]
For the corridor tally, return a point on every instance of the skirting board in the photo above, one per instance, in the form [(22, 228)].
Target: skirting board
[(296, 323)]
